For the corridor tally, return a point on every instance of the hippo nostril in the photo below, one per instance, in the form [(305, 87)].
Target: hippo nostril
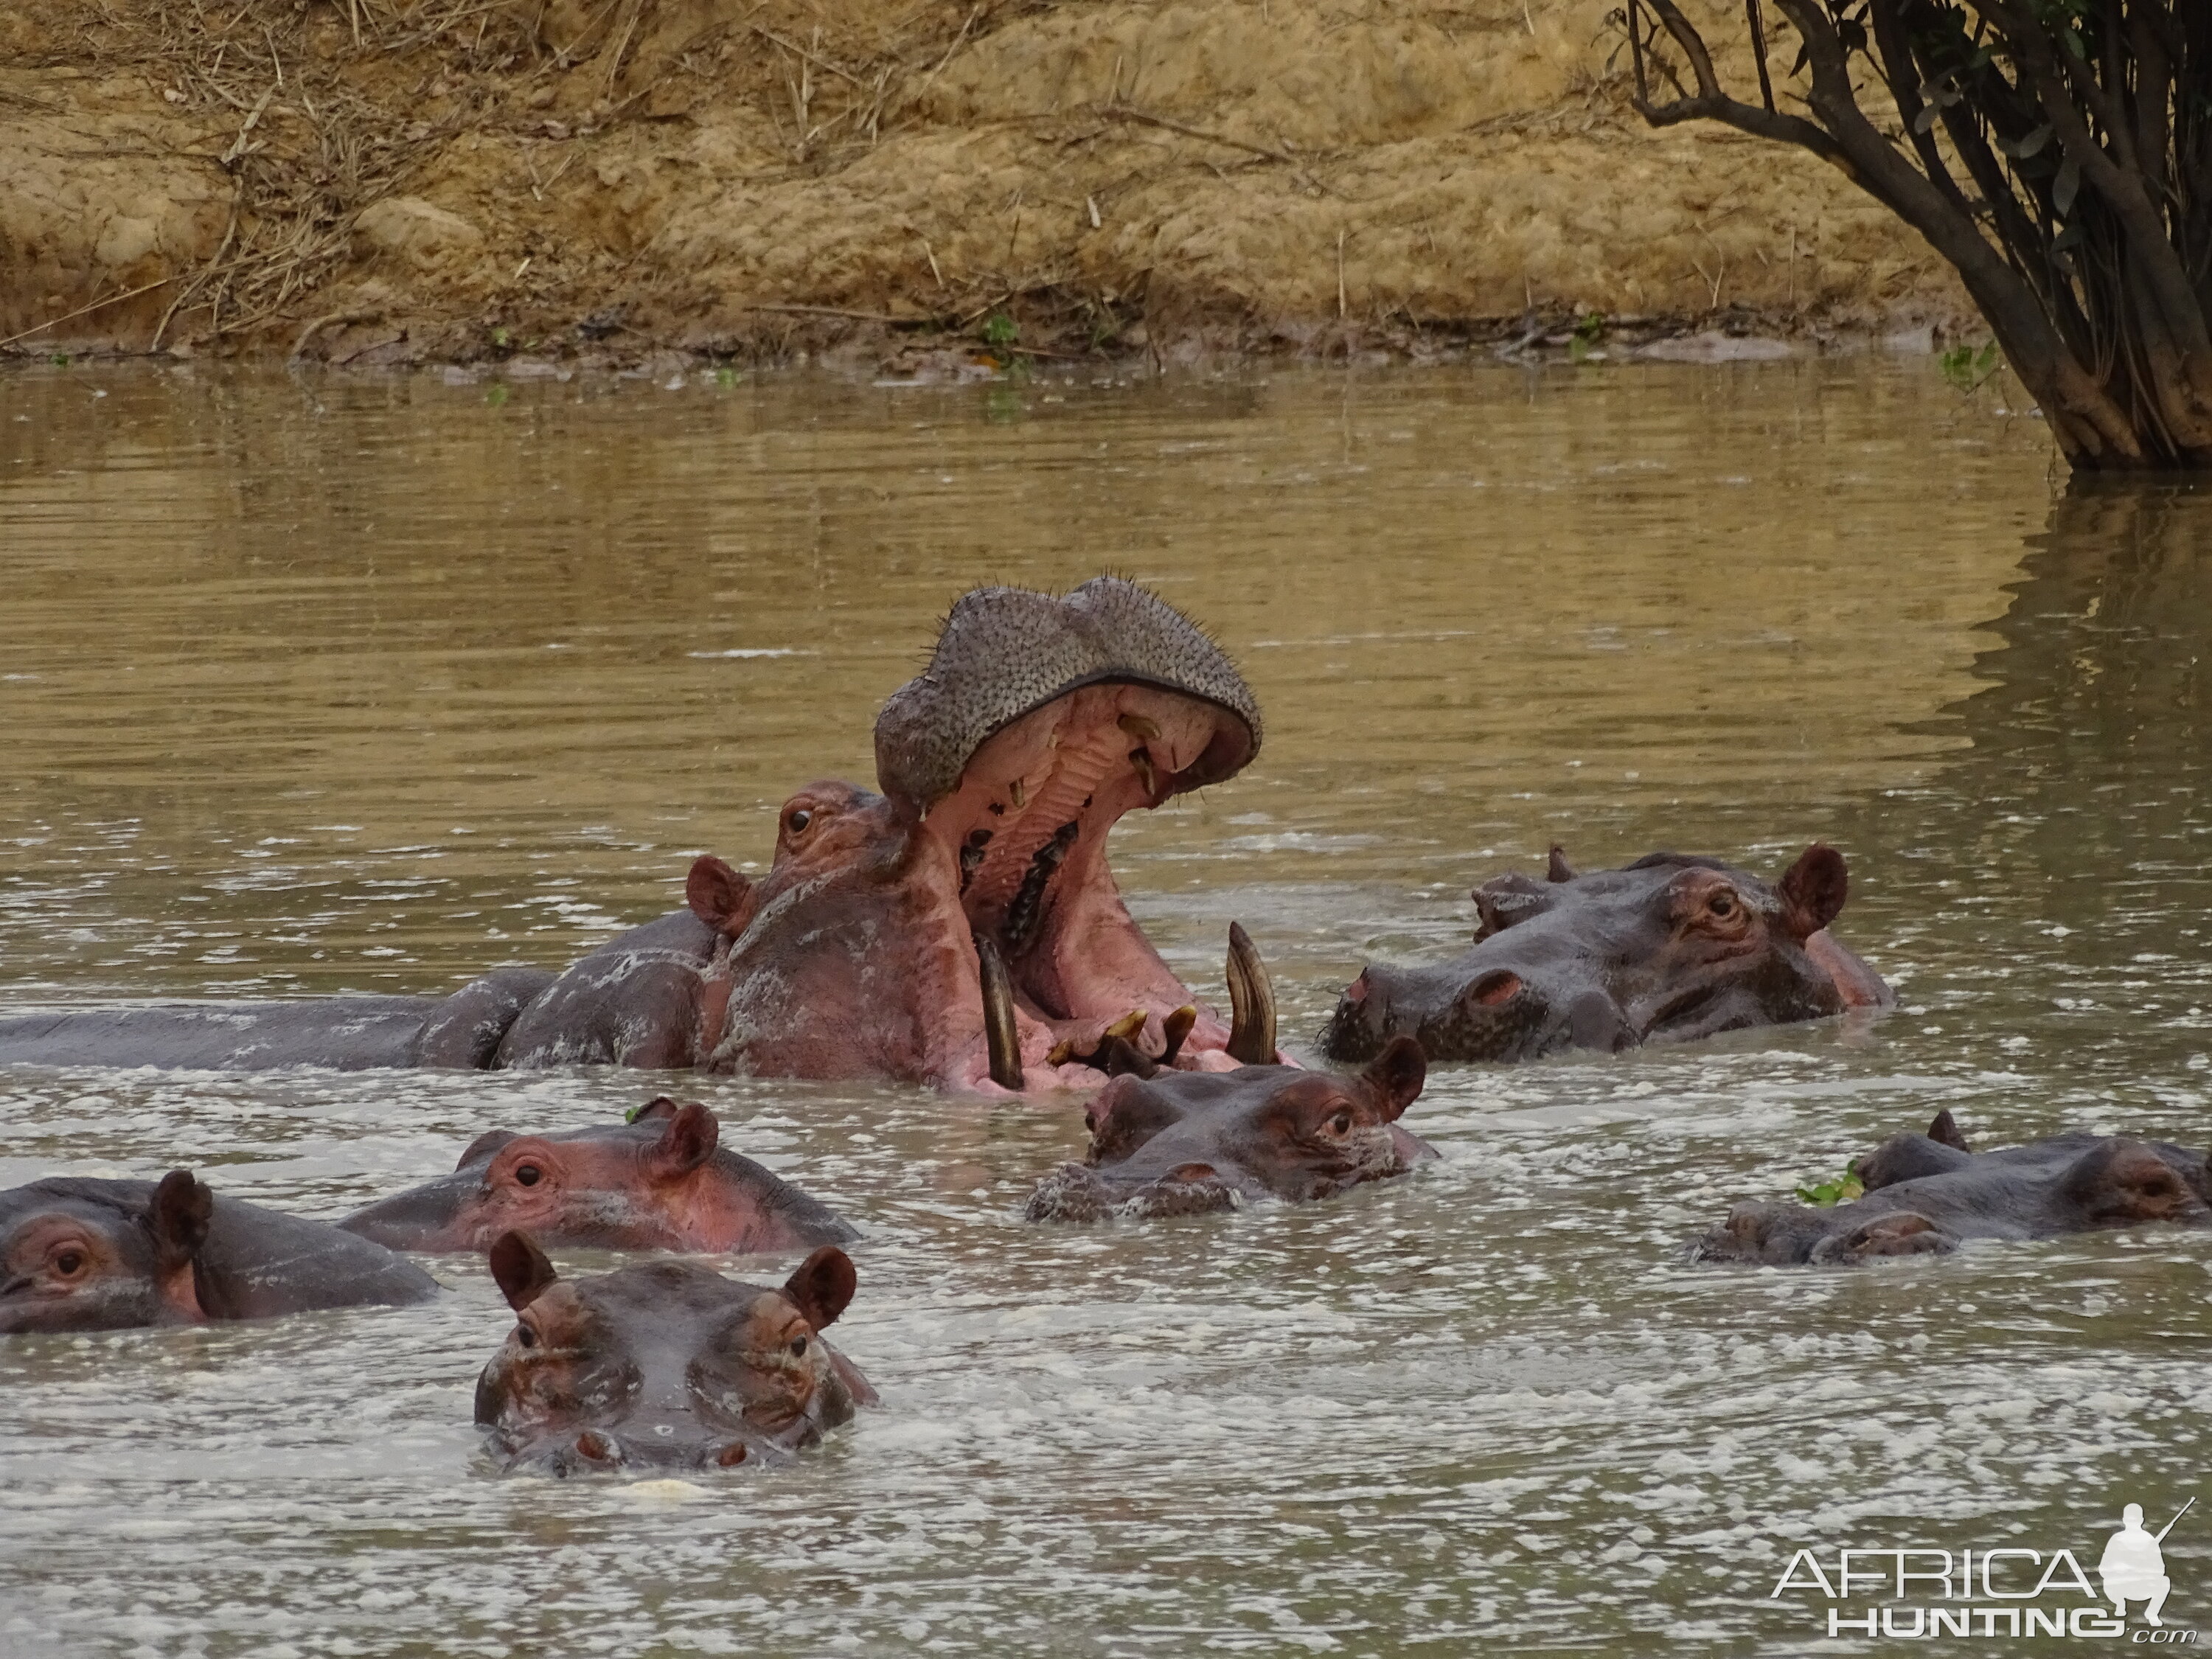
[(1356, 993), (1497, 985), (732, 1454), (595, 1446), (1191, 1172)]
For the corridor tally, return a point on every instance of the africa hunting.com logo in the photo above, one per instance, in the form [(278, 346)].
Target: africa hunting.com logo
[(1930, 1593)]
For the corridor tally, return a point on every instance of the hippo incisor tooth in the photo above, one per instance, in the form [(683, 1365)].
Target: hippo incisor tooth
[(1177, 1026), (1125, 1028), (1020, 794), (1142, 727), (1062, 1052), (1003, 1042), (1251, 1002)]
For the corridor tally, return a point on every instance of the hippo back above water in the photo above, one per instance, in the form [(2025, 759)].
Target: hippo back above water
[(1671, 948)]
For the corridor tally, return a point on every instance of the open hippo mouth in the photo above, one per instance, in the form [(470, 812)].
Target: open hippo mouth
[(1037, 724), (963, 927)]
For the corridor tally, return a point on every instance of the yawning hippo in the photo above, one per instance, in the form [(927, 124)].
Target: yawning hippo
[(961, 928), (1926, 1194), (83, 1255), (664, 1366), (1178, 1143), (659, 1183), (1670, 948)]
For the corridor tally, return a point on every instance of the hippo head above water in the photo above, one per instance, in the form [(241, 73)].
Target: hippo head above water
[(664, 1366), (1670, 948), (661, 1181), (962, 927), (1925, 1194), (79, 1254), (1177, 1143)]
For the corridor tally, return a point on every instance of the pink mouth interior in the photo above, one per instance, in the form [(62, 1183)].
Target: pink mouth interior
[(1026, 828)]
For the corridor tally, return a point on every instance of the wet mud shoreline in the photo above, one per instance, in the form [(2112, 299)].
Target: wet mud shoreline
[(378, 183)]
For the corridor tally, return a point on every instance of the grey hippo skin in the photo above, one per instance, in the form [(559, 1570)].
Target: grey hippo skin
[(1927, 1193), (960, 928), (1671, 948), (664, 1366), (661, 1181), (79, 1254), (1178, 1143)]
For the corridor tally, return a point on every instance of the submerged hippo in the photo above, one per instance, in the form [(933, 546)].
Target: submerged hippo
[(1176, 1143), (80, 1254), (1671, 948), (961, 928), (661, 1181), (667, 1365), (1926, 1194)]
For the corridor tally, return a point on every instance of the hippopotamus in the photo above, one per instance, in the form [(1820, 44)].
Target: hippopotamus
[(1181, 1143), (660, 1181), (663, 1366), (1926, 1194), (957, 928), (84, 1255), (1670, 948)]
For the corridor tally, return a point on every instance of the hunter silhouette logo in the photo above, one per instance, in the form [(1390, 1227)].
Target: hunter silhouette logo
[(2133, 1567), (2007, 1592)]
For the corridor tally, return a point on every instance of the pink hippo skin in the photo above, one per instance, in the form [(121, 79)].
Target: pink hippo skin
[(661, 1181), (959, 929)]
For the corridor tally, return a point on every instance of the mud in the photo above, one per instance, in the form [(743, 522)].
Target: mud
[(365, 181)]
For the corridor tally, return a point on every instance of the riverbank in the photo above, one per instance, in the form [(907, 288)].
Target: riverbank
[(926, 190)]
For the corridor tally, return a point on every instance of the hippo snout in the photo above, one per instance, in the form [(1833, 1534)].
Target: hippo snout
[(1075, 1192), (1361, 1023), (660, 1447)]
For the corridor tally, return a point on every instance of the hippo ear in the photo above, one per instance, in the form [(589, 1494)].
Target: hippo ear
[(659, 1109), (688, 1142), (824, 1285), (178, 1215), (1557, 869), (719, 896), (1945, 1129), (523, 1272), (484, 1145), (1813, 890), (1398, 1072)]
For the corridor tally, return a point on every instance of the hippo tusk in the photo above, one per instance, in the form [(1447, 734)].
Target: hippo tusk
[(1251, 1002), (1004, 1042), (1177, 1026), (1147, 774), (1142, 727)]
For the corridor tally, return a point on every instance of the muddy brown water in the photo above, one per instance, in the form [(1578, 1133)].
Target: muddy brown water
[(323, 684)]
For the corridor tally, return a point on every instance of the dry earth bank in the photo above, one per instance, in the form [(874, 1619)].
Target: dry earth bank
[(388, 180)]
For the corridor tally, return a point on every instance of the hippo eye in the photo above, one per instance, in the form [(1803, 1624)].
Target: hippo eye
[(528, 1175), (1340, 1124), (797, 819), (1723, 905), (70, 1263), (797, 1347), (525, 1336)]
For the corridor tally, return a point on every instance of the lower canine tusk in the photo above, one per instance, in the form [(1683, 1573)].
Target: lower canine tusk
[(1000, 1036), (1251, 1002)]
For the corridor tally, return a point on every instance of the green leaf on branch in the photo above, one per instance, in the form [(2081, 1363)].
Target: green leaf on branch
[(2067, 187)]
